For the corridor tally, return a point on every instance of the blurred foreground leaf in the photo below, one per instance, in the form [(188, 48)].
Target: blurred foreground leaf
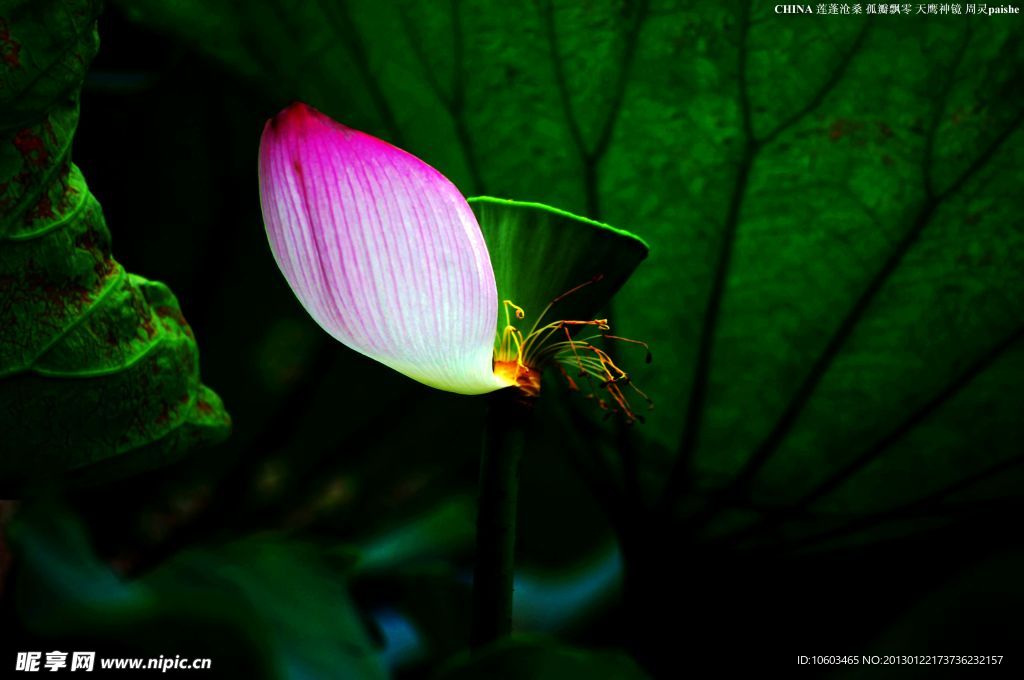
[(94, 362), (529, 658), (431, 536), (260, 607)]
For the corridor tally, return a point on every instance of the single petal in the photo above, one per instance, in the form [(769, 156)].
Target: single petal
[(382, 251)]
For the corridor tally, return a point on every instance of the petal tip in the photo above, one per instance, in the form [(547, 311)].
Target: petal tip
[(299, 116), (294, 114)]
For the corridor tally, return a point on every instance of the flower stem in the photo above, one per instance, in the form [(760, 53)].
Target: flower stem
[(496, 515)]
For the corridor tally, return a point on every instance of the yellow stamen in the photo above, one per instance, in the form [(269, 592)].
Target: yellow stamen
[(523, 377), (519, 358)]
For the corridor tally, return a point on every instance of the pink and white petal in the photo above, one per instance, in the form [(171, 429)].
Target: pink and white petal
[(381, 249)]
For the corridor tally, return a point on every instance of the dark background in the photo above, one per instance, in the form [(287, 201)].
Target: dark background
[(835, 292)]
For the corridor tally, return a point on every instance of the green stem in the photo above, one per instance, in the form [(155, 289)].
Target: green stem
[(496, 516)]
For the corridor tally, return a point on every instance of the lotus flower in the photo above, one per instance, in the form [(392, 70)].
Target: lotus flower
[(389, 258)]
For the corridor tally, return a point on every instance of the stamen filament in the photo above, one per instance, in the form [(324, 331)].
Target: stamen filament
[(519, 357)]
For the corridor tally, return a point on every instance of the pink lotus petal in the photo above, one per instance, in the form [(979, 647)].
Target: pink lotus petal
[(381, 249)]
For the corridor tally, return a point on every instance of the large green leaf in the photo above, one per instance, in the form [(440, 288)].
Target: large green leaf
[(94, 362), (836, 288), (977, 594)]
